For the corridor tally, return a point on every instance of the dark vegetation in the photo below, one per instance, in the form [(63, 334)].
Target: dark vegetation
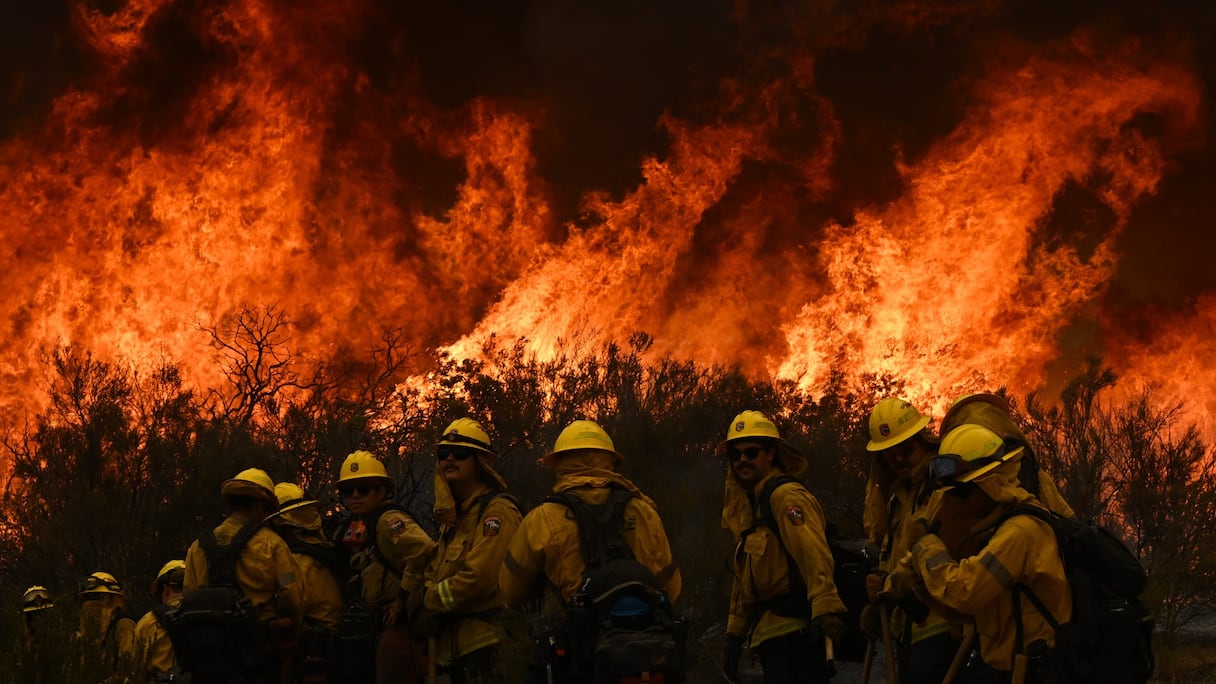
[(122, 469)]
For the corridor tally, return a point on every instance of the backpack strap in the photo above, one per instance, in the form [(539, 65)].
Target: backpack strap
[(322, 554), (599, 525), (764, 516), (221, 560), (1019, 589)]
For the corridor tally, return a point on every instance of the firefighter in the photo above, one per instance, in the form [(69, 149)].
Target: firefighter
[(477, 520), (979, 469), (784, 617), (386, 550), (993, 412), (151, 634), (265, 570), (897, 494), (34, 601), (102, 623), (545, 551), (299, 524)]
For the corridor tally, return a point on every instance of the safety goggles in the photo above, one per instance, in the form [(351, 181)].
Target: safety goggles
[(361, 489), (458, 453), (952, 466), (92, 584), (750, 453)]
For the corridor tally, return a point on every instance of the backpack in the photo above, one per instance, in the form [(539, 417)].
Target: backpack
[(1109, 638), (852, 558), (620, 622), (215, 630)]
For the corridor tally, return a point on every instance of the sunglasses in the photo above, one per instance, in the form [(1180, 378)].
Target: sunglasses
[(355, 490), (458, 453), (751, 453)]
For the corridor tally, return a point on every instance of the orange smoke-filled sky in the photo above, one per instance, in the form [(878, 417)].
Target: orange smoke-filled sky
[(964, 195)]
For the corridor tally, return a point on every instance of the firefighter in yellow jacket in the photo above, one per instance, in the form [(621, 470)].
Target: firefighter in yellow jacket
[(545, 551), (321, 601), (387, 550), (784, 617), (150, 634), (978, 468), (897, 494), (461, 601), (102, 623), (265, 570)]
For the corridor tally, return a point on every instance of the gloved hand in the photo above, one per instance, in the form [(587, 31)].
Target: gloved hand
[(922, 527), (830, 626), (732, 654), (874, 584), (871, 622)]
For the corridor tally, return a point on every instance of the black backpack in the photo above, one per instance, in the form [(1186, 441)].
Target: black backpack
[(620, 621), (1109, 638), (852, 557), (215, 630)]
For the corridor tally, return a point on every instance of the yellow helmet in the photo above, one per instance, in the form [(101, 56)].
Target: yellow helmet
[(290, 496), (466, 432), (172, 573), (253, 482), (35, 599), (969, 452), (892, 421), (99, 584), (362, 465), (755, 425), (583, 434)]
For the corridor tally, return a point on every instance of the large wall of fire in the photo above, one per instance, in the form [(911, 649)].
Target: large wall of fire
[(964, 195)]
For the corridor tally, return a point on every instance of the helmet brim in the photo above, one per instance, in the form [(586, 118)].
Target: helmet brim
[(973, 475), (236, 487), (892, 441)]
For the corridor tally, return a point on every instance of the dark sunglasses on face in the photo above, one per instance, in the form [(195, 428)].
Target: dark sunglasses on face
[(355, 490), (751, 453), (455, 452)]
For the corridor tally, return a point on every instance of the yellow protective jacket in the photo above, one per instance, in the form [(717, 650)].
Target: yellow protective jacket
[(892, 506), (403, 544), (761, 567), (266, 571), (1021, 550), (462, 578), (546, 546), (102, 625), (322, 599), (153, 643)]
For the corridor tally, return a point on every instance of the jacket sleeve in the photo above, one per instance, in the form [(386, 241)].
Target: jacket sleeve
[(406, 546), (289, 590), (652, 549), (802, 526), (195, 568), (523, 567), (477, 578), (973, 583)]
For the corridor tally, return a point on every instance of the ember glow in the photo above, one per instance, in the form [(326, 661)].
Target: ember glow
[(300, 155)]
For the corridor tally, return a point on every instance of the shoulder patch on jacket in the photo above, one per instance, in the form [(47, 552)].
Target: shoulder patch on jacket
[(396, 527), (491, 525), (794, 514)]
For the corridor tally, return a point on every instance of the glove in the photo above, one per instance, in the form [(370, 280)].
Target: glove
[(732, 653), (830, 626), (922, 527), (871, 622), (874, 584)]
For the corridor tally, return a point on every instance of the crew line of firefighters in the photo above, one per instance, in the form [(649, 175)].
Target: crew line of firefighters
[(926, 506)]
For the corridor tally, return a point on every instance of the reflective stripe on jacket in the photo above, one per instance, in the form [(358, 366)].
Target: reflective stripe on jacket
[(462, 578), (1023, 550)]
